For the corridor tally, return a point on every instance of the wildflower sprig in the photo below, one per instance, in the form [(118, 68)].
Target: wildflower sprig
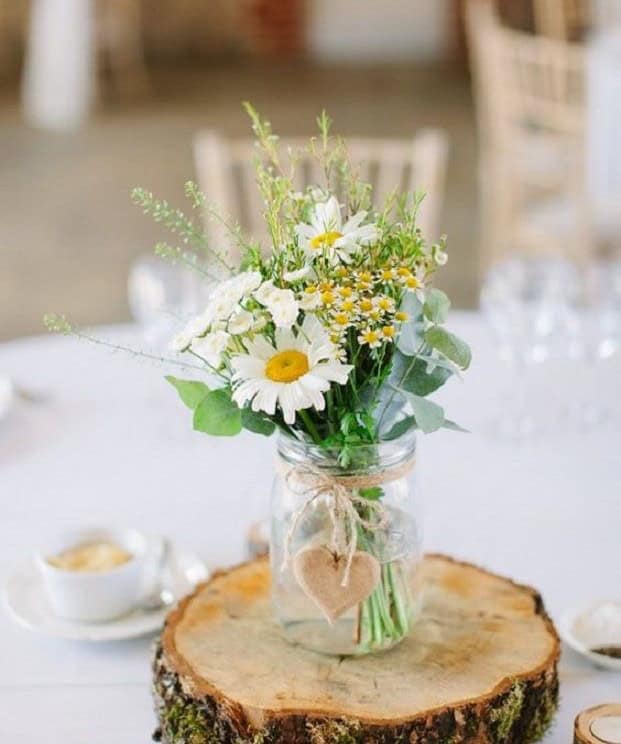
[(322, 331)]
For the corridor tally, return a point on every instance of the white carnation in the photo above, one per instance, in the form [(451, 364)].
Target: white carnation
[(294, 276), (309, 300), (211, 346), (283, 308), (195, 327), (264, 292), (240, 322), (240, 285)]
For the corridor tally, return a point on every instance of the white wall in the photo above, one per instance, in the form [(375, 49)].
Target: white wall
[(378, 30)]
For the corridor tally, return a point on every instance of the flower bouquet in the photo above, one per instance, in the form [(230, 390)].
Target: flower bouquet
[(333, 336)]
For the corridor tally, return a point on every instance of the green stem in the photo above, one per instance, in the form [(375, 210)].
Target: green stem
[(310, 426), (400, 592)]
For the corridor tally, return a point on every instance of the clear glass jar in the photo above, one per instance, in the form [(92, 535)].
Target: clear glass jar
[(378, 481)]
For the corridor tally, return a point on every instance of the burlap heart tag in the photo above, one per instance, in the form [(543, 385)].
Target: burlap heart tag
[(320, 575)]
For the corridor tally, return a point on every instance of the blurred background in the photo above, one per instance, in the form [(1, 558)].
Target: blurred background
[(98, 96)]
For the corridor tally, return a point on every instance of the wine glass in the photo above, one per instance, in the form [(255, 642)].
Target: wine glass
[(530, 305), (160, 296)]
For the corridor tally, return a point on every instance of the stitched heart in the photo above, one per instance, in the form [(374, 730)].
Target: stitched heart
[(320, 574)]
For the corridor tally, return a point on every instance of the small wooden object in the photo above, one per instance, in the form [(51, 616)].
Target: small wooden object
[(599, 725), (479, 666)]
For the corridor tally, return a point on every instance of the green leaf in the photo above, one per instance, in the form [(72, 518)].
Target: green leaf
[(257, 422), (401, 427), (429, 415), (218, 415), (373, 493), (421, 382), (436, 306), (448, 424), (449, 345), (191, 392)]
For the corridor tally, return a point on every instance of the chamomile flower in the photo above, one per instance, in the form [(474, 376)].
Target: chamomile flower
[(326, 235), (387, 274), (328, 298), (341, 320), (348, 306), (401, 316), (388, 332), (371, 338), (293, 374), (366, 306), (384, 303)]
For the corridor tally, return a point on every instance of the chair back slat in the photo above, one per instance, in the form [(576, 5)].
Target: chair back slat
[(226, 175)]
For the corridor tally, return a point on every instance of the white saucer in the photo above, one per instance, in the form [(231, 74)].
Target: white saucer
[(583, 630), (27, 603)]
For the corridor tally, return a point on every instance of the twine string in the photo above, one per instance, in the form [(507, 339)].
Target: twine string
[(343, 504)]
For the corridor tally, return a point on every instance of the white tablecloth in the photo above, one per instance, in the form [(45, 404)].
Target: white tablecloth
[(112, 444)]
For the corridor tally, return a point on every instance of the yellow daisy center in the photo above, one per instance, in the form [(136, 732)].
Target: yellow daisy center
[(346, 291), (401, 316), (412, 282), (403, 271), (389, 331), (287, 366), (366, 305), (341, 319), (370, 337), (385, 303), (347, 306), (327, 297), (325, 239)]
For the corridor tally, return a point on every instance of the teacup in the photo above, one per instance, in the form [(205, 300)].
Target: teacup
[(95, 596)]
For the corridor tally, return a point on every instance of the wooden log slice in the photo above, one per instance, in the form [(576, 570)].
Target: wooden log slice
[(599, 724), (478, 666)]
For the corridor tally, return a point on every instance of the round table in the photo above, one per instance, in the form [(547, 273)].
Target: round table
[(108, 442)]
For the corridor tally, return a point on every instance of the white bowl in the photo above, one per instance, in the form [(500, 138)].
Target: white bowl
[(89, 596), (586, 629)]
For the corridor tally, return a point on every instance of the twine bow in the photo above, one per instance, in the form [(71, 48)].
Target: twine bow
[(312, 484)]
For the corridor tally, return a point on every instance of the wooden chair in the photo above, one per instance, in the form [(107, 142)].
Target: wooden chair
[(530, 99), (226, 175), (570, 20)]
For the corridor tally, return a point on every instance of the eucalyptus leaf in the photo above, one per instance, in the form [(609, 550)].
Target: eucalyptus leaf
[(257, 422), (448, 424), (191, 392), (400, 428), (420, 381), (412, 332), (429, 415), (218, 415), (449, 345), (436, 306)]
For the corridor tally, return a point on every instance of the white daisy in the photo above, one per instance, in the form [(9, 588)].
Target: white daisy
[(294, 374), (326, 235)]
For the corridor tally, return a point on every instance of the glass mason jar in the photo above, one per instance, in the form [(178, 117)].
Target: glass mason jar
[(310, 589)]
